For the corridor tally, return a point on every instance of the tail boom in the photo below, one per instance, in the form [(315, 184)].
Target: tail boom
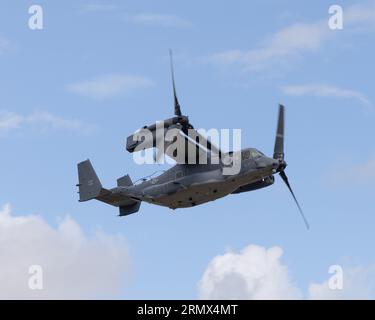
[(90, 188)]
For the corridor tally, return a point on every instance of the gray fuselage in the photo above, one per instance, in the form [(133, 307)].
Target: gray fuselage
[(188, 185)]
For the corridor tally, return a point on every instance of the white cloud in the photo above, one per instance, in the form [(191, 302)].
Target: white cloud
[(109, 85), (294, 40), (163, 20), (254, 273), (39, 120), (258, 273), (74, 265), (288, 42), (322, 90), (142, 18), (358, 284), (360, 13), (9, 121)]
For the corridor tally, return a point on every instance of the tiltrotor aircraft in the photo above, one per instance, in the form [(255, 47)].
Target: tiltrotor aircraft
[(186, 185)]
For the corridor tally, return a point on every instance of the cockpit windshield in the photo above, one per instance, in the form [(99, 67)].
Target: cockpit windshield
[(251, 154), (254, 153)]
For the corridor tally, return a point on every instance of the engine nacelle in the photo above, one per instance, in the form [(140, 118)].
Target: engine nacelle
[(265, 182), (132, 144)]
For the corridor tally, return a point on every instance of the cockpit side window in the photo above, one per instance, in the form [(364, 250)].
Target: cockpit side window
[(251, 154)]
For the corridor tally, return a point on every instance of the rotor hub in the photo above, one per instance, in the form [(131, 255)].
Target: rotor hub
[(282, 165)]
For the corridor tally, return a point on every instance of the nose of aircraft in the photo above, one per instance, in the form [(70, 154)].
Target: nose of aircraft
[(276, 164), (266, 162)]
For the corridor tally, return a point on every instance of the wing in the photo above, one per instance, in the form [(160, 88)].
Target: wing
[(191, 148), (178, 140)]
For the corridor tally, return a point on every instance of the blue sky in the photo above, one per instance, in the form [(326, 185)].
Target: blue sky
[(99, 70)]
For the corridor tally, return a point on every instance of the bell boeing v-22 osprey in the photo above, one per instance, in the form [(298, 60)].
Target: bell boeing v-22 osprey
[(187, 185)]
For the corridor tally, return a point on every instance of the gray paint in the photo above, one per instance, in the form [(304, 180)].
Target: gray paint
[(188, 185)]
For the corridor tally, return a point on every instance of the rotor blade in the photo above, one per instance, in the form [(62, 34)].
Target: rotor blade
[(278, 152), (285, 179), (210, 145), (177, 108)]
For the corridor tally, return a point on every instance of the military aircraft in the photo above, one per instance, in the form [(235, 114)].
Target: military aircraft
[(189, 184)]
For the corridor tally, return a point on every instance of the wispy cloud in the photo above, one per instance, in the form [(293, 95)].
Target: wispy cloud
[(39, 120), (109, 85), (288, 42), (293, 41), (163, 20), (9, 121), (361, 13), (322, 90), (350, 174)]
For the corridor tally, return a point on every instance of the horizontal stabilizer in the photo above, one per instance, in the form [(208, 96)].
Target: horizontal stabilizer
[(90, 187)]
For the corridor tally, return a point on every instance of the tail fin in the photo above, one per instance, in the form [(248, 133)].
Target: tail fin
[(89, 183), (124, 181), (90, 188)]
